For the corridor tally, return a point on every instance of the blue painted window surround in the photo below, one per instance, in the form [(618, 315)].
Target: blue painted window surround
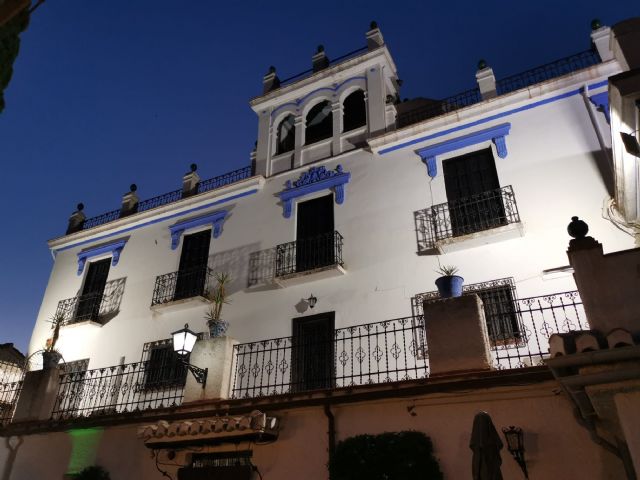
[(496, 134), (314, 180), (114, 248), (215, 219)]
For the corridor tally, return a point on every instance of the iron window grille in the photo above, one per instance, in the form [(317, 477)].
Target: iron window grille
[(485, 211), (504, 322), (97, 307), (309, 253), (220, 465), (11, 380), (189, 283), (164, 367)]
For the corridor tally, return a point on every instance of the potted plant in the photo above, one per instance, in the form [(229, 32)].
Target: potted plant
[(50, 356), (449, 284), (218, 297)]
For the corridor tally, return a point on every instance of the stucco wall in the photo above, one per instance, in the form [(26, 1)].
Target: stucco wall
[(556, 446)]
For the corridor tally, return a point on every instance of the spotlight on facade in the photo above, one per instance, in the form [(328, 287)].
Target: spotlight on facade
[(631, 144), (183, 342), (515, 445), (312, 301)]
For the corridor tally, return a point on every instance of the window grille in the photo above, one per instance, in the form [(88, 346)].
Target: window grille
[(163, 367)]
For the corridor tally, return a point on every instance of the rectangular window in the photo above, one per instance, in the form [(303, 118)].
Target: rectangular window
[(473, 193), (92, 294), (192, 271), (235, 465), (504, 325), (312, 352), (315, 243), (163, 367)]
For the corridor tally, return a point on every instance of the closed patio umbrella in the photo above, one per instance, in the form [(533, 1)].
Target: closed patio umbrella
[(486, 446)]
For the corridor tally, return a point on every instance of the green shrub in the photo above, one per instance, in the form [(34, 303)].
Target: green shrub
[(404, 455), (94, 472)]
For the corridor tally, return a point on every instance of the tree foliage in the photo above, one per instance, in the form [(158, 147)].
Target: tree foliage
[(94, 472), (9, 48), (403, 455)]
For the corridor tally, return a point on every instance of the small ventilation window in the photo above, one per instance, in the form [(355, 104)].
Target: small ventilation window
[(355, 111), (218, 465), (286, 135), (319, 123)]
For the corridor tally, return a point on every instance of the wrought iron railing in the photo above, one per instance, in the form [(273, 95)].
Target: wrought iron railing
[(309, 253), (519, 329), (93, 306), (548, 71), (174, 196), (119, 389), (372, 353), (11, 378), (487, 210), (194, 282), (440, 107)]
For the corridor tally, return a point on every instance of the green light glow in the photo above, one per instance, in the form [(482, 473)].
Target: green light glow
[(84, 445)]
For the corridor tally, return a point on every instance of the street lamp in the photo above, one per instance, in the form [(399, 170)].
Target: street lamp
[(183, 342), (515, 445)]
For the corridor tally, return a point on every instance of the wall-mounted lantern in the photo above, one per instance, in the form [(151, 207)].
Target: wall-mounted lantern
[(312, 301), (183, 342), (515, 445)]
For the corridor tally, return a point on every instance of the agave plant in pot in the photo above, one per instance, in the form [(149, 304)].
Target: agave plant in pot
[(218, 297), (449, 284), (50, 356)]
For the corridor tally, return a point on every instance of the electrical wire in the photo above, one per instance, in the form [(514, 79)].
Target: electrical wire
[(163, 472), (610, 212)]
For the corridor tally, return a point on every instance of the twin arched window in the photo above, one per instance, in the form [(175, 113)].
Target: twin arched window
[(319, 122)]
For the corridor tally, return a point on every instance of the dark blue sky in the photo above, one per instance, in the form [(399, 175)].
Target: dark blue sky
[(109, 93)]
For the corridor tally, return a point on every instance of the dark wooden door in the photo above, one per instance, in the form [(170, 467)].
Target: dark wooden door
[(312, 352), (192, 271), (93, 290), (315, 242), (473, 195)]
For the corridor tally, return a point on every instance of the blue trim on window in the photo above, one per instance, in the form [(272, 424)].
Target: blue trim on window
[(495, 133), (299, 101), (601, 101), (491, 118), (314, 180), (114, 248), (215, 219), (158, 220)]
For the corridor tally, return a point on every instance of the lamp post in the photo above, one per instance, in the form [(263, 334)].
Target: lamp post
[(515, 445), (183, 342)]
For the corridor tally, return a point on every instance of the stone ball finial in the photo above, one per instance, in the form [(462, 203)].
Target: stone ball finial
[(320, 49), (595, 24), (577, 228), (272, 69), (133, 187), (373, 25), (80, 206), (482, 63), (193, 167)]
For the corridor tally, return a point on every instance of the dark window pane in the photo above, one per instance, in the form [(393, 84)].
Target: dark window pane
[(319, 123), (286, 139), (355, 111)]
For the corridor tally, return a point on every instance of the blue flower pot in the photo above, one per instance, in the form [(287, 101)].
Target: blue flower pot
[(450, 286), (218, 328)]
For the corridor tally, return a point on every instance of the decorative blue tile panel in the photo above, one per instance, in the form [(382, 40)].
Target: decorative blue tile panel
[(114, 248), (314, 180), (215, 219), (495, 134)]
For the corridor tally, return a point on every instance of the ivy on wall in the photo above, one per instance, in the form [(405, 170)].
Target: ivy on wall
[(9, 48), (405, 455)]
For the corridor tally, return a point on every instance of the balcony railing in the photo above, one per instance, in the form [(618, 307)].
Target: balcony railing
[(183, 284), (11, 377), (440, 107), (372, 353), (487, 210), (309, 253), (548, 71), (97, 307), (174, 196), (119, 389)]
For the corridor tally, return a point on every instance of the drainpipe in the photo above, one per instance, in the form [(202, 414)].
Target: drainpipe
[(331, 433)]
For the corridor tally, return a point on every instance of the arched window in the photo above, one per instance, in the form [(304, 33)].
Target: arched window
[(354, 111), (319, 123), (286, 135)]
